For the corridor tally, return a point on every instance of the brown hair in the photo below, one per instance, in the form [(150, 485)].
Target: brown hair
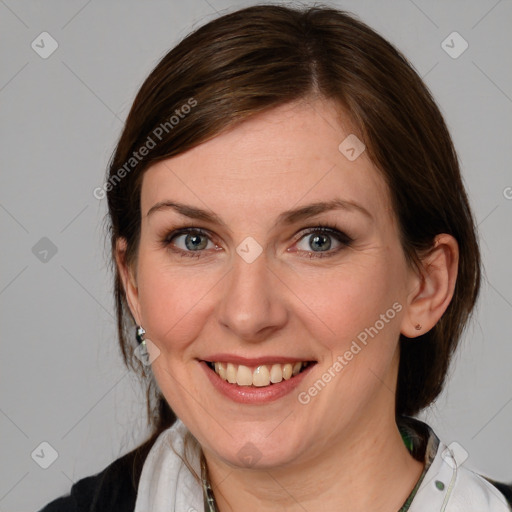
[(268, 55)]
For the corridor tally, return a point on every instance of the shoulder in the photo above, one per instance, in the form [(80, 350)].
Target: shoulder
[(114, 488), (448, 483), (484, 490), (504, 488), (459, 489), (475, 492)]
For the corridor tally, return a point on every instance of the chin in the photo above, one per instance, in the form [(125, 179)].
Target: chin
[(251, 452)]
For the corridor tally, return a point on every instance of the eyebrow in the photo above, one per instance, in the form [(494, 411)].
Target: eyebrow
[(287, 217)]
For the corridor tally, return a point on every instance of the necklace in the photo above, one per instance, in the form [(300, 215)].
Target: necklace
[(210, 504)]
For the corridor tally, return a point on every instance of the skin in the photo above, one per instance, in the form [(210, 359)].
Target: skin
[(342, 450)]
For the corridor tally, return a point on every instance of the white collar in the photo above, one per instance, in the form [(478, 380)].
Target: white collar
[(167, 485), (448, 486)]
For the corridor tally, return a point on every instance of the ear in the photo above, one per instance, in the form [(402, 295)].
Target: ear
[(432, 290), (128, 280)]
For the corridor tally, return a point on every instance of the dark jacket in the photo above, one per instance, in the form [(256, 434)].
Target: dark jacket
[(115, 488)]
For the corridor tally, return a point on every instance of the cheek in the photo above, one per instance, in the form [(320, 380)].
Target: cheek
[(171, 303), (344, 303)]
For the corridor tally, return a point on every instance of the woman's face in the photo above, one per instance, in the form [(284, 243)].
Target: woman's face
[(261, 287)]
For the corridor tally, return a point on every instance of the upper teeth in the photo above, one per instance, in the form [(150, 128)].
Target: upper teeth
[(262, 375)]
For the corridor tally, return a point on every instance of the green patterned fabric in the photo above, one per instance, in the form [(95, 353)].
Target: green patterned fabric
[(423, 444)]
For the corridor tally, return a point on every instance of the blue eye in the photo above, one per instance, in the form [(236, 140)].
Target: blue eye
[(319, 240), (193, 242)]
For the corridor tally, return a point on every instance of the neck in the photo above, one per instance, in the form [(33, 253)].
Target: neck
[(370, 468)]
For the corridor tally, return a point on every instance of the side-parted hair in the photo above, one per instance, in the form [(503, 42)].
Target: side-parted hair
[(265, 56)]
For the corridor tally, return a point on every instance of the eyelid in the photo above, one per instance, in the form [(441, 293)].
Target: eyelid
[(328, 229)]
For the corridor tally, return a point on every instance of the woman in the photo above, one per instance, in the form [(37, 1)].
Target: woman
[(295, 253)]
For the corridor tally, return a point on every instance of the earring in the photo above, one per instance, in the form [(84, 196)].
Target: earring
[(139, 334), (142, 350), (417, 327)]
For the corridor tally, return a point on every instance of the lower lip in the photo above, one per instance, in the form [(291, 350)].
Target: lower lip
[(252, 394)]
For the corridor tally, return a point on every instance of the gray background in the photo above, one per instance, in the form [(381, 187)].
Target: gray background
[(62, 380)]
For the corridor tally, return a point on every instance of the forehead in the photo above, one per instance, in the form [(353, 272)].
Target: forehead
[(284, 157)]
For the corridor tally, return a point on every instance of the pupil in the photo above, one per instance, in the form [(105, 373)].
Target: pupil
[(195, 242), (316, 240)]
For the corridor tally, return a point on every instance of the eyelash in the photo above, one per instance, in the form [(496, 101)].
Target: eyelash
[(325, 229)]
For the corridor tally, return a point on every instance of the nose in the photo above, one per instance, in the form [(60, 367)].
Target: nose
[(252, 307)]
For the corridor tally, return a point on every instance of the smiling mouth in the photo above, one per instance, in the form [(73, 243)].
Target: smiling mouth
[(258, 376)]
